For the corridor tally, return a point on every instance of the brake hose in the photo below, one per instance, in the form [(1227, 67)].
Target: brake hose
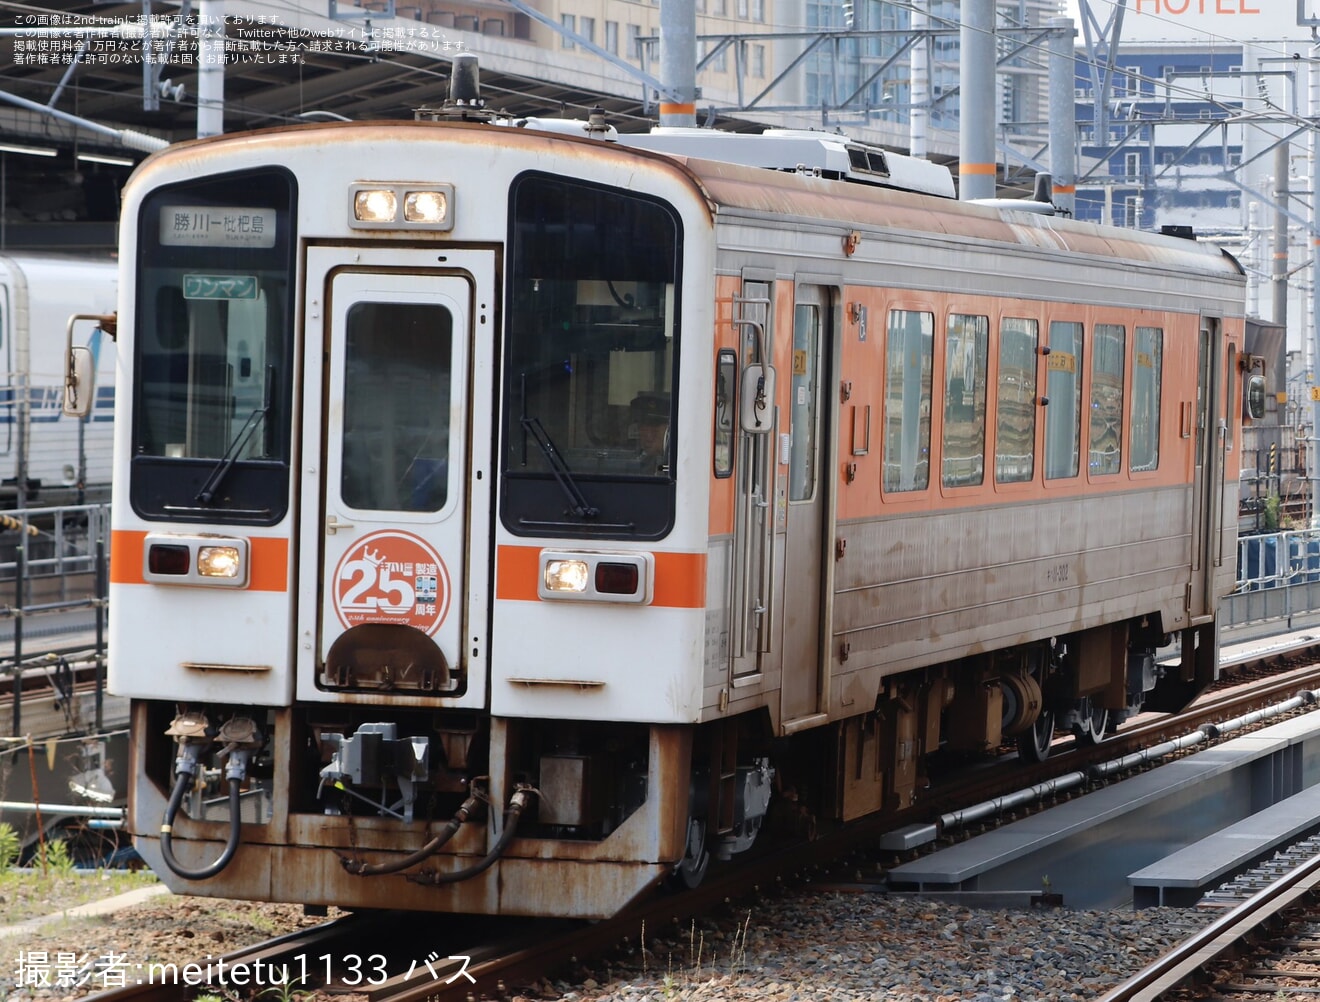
[(362, 869), (185, 768), (181, 785), (517, 804)]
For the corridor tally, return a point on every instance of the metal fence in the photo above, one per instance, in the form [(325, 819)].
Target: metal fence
[(54, 565), (1278, 581)]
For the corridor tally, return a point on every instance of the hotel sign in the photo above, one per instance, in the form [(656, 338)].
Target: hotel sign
[(1200, 20)]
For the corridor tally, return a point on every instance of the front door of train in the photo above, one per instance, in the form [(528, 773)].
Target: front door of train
[(809, 498), (401, 494), (1211, 431), (753, 552)]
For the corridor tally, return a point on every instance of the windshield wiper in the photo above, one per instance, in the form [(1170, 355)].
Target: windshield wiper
[(226, 462), (578, 503)]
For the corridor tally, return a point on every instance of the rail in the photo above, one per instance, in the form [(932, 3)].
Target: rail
[(1183, 965)]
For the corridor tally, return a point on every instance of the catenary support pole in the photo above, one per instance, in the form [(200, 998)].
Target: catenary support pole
[(1063, 114), (678, 62), (976, 97)]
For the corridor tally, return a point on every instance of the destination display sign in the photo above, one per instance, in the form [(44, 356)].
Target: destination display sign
[(217, 226)]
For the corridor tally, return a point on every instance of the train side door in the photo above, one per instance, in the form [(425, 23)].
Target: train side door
[(753, 549), (802, 696), (1210, 441), (402, 591)]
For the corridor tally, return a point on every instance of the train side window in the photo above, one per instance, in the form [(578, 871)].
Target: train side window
[(966, 349), (1107, 368), (1015, 410), (908, 352), (1147, 366), (1063, 387), (726, 410)]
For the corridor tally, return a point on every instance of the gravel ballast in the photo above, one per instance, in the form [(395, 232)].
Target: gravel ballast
[(842, 946), (801, 944)]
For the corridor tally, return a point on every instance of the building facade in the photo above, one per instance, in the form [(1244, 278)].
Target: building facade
[(1163, 149)]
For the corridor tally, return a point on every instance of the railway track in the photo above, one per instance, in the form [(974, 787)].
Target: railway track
[(1265, 948), (1246, 687), (435, 958), (1245, 886)]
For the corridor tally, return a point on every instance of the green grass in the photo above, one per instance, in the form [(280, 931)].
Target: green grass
[(32, 895)]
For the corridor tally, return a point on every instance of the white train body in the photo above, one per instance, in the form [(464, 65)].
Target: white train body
[(67, 459), (388, 534)]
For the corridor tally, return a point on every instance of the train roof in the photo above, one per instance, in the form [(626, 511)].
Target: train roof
[(735, 188), (818, 154), (747, 189), (826, 176)]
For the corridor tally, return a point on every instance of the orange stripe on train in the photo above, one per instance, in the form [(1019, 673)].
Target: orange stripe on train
[(269, 555), (680, 578)]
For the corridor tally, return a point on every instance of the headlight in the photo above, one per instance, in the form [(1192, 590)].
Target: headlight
[(596, 577), (386, 205), (219, 562), (425, 207), (375, 205), (176, 558), (566, 575)]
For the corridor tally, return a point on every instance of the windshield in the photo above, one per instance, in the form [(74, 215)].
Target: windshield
[(592, 335), (212, 351)]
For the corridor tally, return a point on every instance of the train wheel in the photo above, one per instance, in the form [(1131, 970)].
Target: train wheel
[(691, 869), (1092, 731), (1034, 742)]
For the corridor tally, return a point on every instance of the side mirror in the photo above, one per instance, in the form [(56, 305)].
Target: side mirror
[(757, 399), (80, 364), (1253, 399), (79, 381)]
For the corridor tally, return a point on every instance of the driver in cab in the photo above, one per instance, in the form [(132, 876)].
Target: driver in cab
[(652, 415)]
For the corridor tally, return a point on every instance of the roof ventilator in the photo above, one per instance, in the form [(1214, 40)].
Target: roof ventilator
[(867, 160)]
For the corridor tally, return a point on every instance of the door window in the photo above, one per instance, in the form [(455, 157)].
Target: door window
[(802, 451), (726, 376), (397, 362)]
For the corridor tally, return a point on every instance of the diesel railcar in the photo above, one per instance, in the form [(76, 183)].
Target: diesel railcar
[(510, 517)]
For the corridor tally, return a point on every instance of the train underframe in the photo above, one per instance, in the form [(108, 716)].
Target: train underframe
[(371, 807)]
